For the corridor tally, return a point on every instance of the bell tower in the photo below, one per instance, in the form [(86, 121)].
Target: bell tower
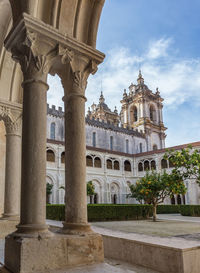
[(142, 110)]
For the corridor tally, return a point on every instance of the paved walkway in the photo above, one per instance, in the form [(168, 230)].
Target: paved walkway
[(179, 217)]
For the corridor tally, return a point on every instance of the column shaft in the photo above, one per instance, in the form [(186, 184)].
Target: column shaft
[(12, 176), (75, 164), (33, 188)]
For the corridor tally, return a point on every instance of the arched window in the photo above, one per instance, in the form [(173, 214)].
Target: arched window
[(53, 130), (153, 165), (62, 132), (97, 162), (89, 161), (179, 199), (63, 158), (114, 199), (116, 165), (135, 114), (50, 156), (163, 164), (109, 164), (140, 167), (152, 113), (140, 147), (146, 165), (111, 143), (94, 139), (155, 147), (96, 198), (173, 202), (127, 166), (127, 146)]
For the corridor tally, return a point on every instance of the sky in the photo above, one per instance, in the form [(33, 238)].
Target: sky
[(162, 38)]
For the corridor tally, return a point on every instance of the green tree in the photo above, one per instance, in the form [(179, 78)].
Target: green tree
[(154, 187), (49, 188), (90, 189), (185, 162)]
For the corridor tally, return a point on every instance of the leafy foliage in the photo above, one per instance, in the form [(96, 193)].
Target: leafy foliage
[(104, 212), (154, 187), (49, 188), (90, 188), (186, 163)]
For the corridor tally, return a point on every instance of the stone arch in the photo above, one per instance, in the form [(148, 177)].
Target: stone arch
[(50, 155), (109, 164), (146, 165), (115, 192), (127, 166), (89, 161), (75, 18), (50, 180), (152, 112), (133, 114), (155, 147), (116, 165), (164, 164), (97, 162), (140, 167), (97, 198), (63, 157), (153, 165)]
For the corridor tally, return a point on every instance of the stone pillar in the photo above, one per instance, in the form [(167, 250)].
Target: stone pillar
[(13, 170), (75, 150), (34, 55), (33, 189)]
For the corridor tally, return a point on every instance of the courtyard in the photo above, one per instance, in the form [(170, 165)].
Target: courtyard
[(169, 230)]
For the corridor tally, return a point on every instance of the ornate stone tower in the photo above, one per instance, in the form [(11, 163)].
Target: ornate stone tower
[(103, 112), (142, 110)]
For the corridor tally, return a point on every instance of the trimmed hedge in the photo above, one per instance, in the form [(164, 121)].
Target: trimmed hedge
[(168, 209), (109, 212), (55, 212), (190, 210), (104, 212)]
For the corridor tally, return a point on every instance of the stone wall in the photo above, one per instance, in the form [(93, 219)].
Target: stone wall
[(2, 164)]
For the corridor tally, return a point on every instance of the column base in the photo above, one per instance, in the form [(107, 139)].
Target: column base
[(33, 230), (27, 255), (76, 228), (7, 227), (10, 217)]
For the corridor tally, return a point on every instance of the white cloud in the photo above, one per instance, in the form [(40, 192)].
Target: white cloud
[(158, 48)]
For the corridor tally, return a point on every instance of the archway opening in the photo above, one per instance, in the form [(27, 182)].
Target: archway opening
[(50, 156)]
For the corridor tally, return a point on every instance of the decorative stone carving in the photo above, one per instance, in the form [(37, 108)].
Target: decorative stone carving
[(12, 120)]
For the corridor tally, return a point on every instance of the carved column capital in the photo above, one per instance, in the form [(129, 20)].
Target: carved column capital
[(75, 70), (32, 50), (12, 120)]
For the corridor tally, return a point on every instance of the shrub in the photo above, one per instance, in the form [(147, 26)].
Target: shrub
[(55, 212), (168, 209), (190, 210), (104, 212)]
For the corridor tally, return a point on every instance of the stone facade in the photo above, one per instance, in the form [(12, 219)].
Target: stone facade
[(118, 149)]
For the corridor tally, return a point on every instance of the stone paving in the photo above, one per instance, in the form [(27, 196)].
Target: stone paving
[(166, 226)]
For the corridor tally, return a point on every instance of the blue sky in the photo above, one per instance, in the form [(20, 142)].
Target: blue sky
[(163, 39)]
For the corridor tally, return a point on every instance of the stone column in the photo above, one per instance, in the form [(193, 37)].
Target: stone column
[(35, 58), (75, 156), (33, 189), (13, 170), (74, 79)]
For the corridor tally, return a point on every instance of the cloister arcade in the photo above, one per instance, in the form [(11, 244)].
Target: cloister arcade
[(57, 37)]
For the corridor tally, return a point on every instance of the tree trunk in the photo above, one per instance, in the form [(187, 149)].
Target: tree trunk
[(154, 212)]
